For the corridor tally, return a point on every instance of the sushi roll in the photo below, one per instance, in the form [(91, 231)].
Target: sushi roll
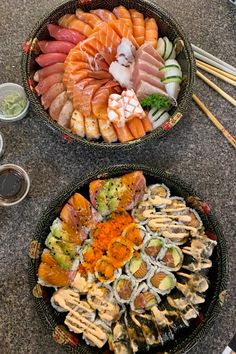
[(98, 337), (176, 205), (137, 212), (105, 272), (120, 341), (99, 295), (137, 268), (154, 248), (172, 258), (120, 251), (193, 296), (195, 265), (195, 221), (147, 326), (196, 281), (160, 190), (135, 234), (137, 339), (123, 288), (161, 281), (144, 299)]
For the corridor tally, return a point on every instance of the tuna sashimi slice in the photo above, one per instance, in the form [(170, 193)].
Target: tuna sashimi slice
[(52, 93), (55, 46), (50, 59), (48, 70), (146, 67), (145, 89), (151, 79), (65, 34), (46, 83)]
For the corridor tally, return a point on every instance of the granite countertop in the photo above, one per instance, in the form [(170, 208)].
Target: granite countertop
[(195, 151)]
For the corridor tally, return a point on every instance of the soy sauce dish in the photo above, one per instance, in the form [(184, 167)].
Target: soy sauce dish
[(14, 184)]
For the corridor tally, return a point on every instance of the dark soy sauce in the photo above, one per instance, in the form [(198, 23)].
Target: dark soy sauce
[(12, 185)]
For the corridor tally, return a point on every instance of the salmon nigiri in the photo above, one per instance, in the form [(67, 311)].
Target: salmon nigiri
[(138, 26), (48, 70), (151, 31), (123, 133), (122, 13), (123, 31), (104, 14), (117, 194), (136, 127), (91, 19)]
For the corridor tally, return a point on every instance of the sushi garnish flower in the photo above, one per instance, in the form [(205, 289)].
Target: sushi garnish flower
[(116, 279)]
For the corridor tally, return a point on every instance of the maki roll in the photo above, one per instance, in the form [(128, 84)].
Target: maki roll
[(120, 342), (194, 297), (144, 299), (176, 205), (99, 336), (135, 234), (105, 272), (154, 248), (161, 281), (137, 268), (147, 326), (172, 258), (195, 221), (195, 265), (137, 339), (196, 281), (123, 288), (200, 247), (137, 212), (160, 190), (99, 295), (120, 251)]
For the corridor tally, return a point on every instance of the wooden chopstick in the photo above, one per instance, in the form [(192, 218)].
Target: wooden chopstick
[(215, 121), (213, 72), (222, 72), (216, 88), (211, 59)]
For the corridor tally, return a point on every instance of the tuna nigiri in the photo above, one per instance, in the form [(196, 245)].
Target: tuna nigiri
[(117, 194)]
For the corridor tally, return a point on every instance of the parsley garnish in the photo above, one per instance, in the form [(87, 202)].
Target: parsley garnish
[(155, 100)]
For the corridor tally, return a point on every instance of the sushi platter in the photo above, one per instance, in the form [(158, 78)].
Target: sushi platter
[(128, 260), (109, 74)]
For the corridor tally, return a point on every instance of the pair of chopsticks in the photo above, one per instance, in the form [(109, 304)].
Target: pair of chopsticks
[(221, 70)]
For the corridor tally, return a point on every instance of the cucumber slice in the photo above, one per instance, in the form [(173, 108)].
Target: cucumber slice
[(172, 88), (177, 79), (171, 62), (161, 47), (173, 72), (162, 118), (168, 48), (173, 54), (166, 67)]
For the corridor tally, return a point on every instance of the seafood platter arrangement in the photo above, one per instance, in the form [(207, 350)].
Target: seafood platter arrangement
[(109, 73), (128, 261)]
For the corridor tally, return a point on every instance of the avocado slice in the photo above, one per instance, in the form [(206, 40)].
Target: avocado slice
[(135, 265), (64, 260), (176, 257), (166, 283), (102, 202)]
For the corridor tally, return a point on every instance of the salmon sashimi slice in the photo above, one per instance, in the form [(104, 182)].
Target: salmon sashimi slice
[(53, 275), (91, 19), (100, 75), (77, 124), (48, 70), (75, 77), (104, 14), (87, 215), (57, 104), (123, 133), (77, 55), (66, 19), (52, 93), (110, 38), (136, 127), (45, 84), (123, 13), (138, 26), (92, 128), (147, 124), (151, 32), (100, 63), (100, 103), (65, 114), (80, 26), (107, 130), (123, 31), (74, 68), (76, 89), (82, 101)]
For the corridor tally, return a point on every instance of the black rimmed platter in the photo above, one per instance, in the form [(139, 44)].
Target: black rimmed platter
[(218, 274), (167, 26)]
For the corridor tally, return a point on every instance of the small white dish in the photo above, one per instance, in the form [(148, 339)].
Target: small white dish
[(2, 145), (8, 89)]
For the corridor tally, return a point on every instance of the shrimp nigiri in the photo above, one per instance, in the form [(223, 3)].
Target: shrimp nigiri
[(138, 26)]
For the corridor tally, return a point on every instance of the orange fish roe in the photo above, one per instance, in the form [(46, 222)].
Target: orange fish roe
[(120, 251), (133, 234), (103, 235)]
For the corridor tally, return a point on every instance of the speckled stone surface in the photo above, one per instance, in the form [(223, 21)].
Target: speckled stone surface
[(195, 151)]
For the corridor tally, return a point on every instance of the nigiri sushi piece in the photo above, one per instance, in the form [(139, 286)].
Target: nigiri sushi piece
[(138, 26), (123, 31), (51, 274), (45, 84), (65, 114), (48, 70), (151, 32), (77, 124), (117, 194), (55, 46), (66, 19), (123, 133), (92, 128), (53, 92), (122, 13), (80, 26), (104, 15), (107, 130), (91, 19), (57, 105), (65, 34), (50, 59)]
